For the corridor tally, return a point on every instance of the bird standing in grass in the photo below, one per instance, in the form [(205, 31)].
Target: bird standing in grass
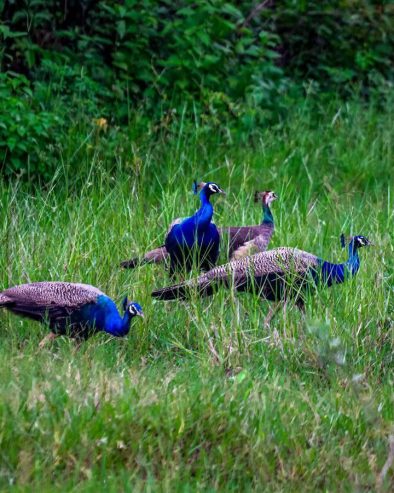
[(248, 240), (77, 310), (241, 240), (196, 238), (277, 275), (157, 255)]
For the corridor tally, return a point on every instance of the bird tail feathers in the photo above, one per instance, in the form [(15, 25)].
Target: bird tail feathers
[(155, 256), (185, 290), (171, 292), (130, 264)]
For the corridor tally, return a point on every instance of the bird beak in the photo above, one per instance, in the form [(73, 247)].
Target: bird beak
[(141, 314), (222, 191)]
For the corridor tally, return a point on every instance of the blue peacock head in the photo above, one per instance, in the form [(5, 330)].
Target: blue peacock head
[(357, 241), (210, 188), (266, 197), (133, 308)]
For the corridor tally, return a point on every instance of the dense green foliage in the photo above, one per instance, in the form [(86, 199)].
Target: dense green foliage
[(199, 396), (216, 60)]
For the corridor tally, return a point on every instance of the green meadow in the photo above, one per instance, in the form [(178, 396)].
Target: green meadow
[(200, 396)]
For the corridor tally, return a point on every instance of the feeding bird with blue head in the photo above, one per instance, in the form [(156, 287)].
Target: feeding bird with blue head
[(195, 238), (276, 275), (338, 273), (77, 310)]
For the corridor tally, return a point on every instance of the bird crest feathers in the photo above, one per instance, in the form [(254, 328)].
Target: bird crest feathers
[(197, 186), (125, 303), (345, 240)]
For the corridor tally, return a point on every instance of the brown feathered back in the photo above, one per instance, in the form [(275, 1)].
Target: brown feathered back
[(50, 293), (280, 261)]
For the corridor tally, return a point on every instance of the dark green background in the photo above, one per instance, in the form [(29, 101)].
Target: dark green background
[(240, 64)]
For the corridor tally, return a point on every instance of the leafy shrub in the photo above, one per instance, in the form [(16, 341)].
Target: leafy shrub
[(27, 133), (160, 51), (334, 42)]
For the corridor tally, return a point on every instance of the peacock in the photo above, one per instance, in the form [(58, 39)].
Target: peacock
[(242, 240), (159, 255), (77, 310), (196, 237), (276, 275)]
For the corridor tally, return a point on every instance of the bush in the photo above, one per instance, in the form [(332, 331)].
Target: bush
[(163, 52), (28, 134)]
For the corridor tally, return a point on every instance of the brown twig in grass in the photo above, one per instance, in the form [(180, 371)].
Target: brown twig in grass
[(214, 353), (387, 464)]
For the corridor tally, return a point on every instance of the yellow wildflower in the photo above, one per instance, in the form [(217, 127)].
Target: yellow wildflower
[(102, 123)]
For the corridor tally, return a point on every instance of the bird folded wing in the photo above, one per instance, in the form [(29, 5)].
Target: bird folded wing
[(47, 294), (176, 221), (55, 314), (247, 249), (258, 244), (157, 255), (264, 263)]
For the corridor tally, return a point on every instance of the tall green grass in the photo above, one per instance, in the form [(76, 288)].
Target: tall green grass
[(199, 396)]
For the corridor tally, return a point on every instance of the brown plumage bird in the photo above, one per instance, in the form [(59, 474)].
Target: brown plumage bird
[(248, 240)]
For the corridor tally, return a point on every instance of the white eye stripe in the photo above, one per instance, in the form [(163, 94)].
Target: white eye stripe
[(362, 241), (213, 188), (132, 310), (269, 197)]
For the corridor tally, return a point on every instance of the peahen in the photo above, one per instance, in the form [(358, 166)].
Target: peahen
[(247, 240), (196, 237), (276, 275), (77, 310), (241, 240)]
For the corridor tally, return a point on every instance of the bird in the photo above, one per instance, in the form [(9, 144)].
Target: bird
[(159, 255), (247, 240), (196, 237), (77, 310), (242, 240), (276, 275)]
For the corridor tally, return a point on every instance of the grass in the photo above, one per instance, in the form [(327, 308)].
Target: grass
[(199, 397)]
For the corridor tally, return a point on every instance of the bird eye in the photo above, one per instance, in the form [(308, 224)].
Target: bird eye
[(132, 310), (213, 188)]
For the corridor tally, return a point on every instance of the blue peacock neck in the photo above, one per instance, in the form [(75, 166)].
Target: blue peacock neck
[(267, 215), (338, 273), (118, 326), (353, 262), (204, 215)]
